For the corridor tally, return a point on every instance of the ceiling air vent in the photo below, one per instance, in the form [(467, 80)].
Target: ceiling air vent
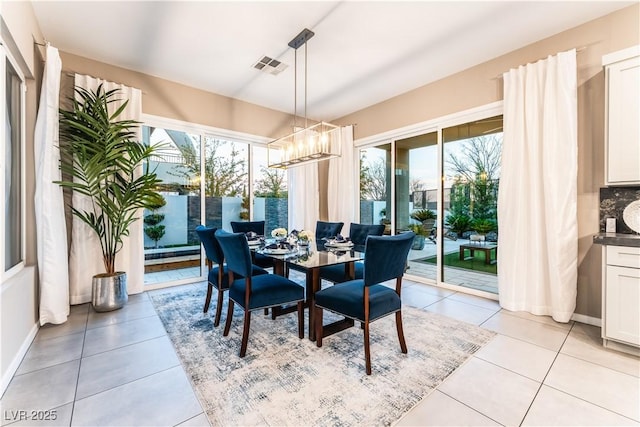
[(269, 65)]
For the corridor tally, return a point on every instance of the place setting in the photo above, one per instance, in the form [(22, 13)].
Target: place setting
[(338, 242), (254, 239)]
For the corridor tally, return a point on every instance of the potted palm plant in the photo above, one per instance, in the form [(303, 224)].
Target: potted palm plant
[(100, 159), (420, 236)]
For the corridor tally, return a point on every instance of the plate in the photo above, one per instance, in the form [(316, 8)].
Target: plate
[(254, 243), (277, 251), (631, 216), (339, 245)]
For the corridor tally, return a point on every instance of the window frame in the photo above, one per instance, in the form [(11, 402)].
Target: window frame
[(6, 56)]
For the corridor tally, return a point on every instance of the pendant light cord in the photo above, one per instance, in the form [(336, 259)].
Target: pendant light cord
[(305, 85), (295, 88)]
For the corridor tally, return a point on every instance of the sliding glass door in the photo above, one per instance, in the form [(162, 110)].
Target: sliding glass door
[(375, 186), (206, 179), (472, 158), (172, 250), (416, 190), (270, 193), (445, 189)]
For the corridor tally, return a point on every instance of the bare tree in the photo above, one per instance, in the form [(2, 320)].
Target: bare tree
[(480, 158), (416, 184), (477, 173), (373, 180), (224, 175), (272, 184)]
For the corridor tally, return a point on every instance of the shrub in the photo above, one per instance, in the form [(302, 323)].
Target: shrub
[(423, 214)]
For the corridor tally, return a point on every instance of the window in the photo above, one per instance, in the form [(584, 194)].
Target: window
[(439, 179), (375, 183), (12, 118), (270, 195), (212, 177)]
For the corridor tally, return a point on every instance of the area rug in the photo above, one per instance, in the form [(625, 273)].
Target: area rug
[(284, 380)]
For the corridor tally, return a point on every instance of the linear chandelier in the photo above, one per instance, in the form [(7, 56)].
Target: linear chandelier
[(320, 141)]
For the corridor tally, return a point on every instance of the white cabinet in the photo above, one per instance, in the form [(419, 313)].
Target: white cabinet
[(621, 298), (622, 122)]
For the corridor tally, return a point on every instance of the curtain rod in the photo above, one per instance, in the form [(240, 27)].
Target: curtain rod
[(71, 73), (578, 50)]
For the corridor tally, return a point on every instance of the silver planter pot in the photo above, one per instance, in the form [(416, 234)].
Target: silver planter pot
[(109, 291)]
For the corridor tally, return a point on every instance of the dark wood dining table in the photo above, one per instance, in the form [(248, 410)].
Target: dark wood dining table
[(310, 259)]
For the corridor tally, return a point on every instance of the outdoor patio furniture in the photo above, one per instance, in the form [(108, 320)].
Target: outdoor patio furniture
[(487, 248)]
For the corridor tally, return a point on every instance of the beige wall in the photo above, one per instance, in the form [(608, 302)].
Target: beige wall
[(481, 85), (19, 294)]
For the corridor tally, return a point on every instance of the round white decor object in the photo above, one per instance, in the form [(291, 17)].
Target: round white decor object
[(631, 216)]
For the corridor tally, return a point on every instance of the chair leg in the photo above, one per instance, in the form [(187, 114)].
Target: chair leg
[(216, 321), (300, 319), (367, 350), (227, 324), (245, 333), (207, 301), (403, 344), (318, 326)]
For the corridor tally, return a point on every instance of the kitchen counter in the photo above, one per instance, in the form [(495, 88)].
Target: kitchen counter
[(617, 239)]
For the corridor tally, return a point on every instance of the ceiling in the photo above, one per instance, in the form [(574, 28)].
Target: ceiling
[(363, 52)]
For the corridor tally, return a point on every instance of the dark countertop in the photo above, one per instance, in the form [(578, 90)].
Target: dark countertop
[(617, 239)]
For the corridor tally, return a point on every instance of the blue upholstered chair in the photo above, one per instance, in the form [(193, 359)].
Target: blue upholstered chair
[(358, 234), (258, 228), (328, 229), (323, 229), (217, 277), (367, 299), (254, 292)]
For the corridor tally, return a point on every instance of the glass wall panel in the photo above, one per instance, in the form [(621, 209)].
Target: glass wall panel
[(172, 248), (416, 188), (375, 186), (471, 159), (270, 196), (13, 172), (226, 182)]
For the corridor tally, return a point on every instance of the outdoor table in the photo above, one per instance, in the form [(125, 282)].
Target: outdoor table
[(484, 247)]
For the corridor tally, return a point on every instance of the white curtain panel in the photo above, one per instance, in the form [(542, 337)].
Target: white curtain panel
[(304, 200), (85, 258), (537, 219), (343, 183), (51, 228)]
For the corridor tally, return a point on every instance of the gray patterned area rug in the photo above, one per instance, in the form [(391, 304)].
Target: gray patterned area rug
[(284, 380)]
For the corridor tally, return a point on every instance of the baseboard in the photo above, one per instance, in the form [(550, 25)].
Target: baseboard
[(583, 318), (15, 363)]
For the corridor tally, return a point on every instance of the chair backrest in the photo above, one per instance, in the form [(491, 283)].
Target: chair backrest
[(211, 246), (236, 252), (246, 226), (385, 257), (327, 229), (358, 233)]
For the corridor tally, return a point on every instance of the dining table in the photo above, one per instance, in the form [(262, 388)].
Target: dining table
[(310, 259)]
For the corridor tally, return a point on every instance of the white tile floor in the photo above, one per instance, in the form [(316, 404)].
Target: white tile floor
[(119, 368)]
